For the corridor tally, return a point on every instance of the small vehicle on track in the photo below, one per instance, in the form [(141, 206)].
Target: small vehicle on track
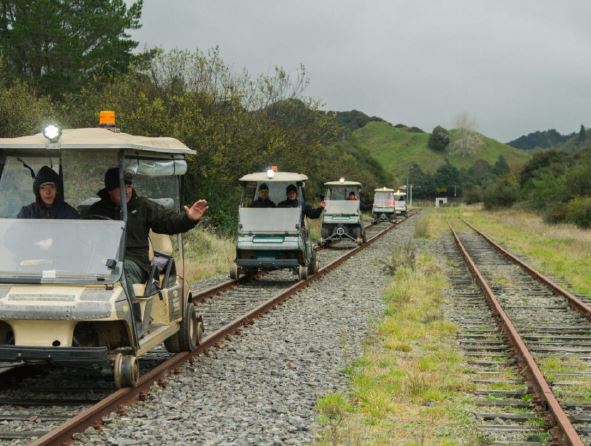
[(384, 205), (342, 218), (63, 299), (270, 236), (400, 203)]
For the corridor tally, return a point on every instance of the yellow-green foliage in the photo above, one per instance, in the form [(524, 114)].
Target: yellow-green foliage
[(207, 253), (408, 387)]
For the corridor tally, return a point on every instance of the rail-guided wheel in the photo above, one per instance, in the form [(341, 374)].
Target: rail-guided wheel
[(313, 266), (126, 370), (190, 334), (234, 273), (303, 272)]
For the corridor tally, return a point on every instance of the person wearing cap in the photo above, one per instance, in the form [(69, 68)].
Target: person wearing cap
[(262, 200), (49, 202), (293, 202), (142, 215)]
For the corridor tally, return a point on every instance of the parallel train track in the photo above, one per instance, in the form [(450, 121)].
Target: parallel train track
[(529, 351), (51, 405)]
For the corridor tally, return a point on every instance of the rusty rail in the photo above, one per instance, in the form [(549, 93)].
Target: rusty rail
[(563, 430), (574, 302), (93, 415)]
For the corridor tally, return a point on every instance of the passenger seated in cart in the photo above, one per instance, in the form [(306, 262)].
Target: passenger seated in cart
[(142, 215), (293, 202), (352, 196), (49, 202), (262, 200)]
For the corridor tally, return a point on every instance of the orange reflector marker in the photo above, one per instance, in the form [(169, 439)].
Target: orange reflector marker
[(107, 118)]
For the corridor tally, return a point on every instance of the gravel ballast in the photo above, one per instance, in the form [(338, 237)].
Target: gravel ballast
[(261, 387)]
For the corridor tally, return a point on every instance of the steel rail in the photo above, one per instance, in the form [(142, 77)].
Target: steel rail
[(92, 416), (563, 430), (574, 302), (214, 290)]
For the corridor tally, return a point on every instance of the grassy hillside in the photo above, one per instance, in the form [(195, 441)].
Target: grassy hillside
[(397, 149)]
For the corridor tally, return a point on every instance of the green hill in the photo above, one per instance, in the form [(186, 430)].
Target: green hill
[(396, 149)]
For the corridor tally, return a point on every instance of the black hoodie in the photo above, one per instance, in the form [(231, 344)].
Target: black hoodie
[(38, 209)]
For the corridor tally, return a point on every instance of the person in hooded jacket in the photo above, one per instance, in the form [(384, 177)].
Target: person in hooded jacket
[(293, 202), (263, 200), (49, 202), (142, 215)]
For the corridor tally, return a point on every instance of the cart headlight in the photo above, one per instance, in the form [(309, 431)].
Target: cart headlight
[(341, 180), (270, 173), (52, 133)]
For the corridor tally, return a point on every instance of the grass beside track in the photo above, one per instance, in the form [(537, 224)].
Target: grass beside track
[(560, 251), (409, 387), (207, 254)]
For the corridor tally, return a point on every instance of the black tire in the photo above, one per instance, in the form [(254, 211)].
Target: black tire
[(355, 232), (190, 334), (234, 272), (325, 232), (126, 371)]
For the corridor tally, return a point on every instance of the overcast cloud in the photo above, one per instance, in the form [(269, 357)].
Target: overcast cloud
[(515, 66)]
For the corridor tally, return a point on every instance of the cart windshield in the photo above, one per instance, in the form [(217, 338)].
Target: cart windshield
[(59, 251), (383, 200)]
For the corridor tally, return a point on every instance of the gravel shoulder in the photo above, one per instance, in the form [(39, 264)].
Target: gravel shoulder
[(262, 386)]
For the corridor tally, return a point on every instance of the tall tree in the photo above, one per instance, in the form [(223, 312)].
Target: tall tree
[(582, 134), (439, 139), (59, 45)]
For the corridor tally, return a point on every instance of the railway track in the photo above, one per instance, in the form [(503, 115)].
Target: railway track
[(532, 379), (51, 405)]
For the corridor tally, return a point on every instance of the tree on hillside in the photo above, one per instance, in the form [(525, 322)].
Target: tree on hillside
[(501, 166), (447, 179), (439, 139), (466, 141), (60, 45), (582, 135)]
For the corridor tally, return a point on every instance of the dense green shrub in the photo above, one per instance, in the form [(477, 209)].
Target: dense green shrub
[(473, 195), (439, 139), (578, 211), (503, 193)]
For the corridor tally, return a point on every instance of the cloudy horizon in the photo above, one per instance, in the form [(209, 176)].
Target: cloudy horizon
[(513, 67)]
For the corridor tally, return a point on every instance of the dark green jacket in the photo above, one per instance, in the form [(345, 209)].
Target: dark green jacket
[(142, 215)]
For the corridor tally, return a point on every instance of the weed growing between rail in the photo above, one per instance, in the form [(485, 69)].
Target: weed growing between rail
[(409, 387)]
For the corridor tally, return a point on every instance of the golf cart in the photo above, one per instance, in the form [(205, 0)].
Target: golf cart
[(400, 203), (62, 294), (341, 219), (273, 237), (383, 205)]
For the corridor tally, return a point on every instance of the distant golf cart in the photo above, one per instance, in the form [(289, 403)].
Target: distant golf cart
[(62, 295), (400, 203), (341, 219), (270, 238), (384, 207)]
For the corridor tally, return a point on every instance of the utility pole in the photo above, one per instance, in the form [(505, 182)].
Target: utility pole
[(410, 204)]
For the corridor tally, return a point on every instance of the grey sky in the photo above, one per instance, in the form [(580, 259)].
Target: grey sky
[(515, 66)]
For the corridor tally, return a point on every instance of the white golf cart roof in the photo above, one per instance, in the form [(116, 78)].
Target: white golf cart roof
[(383, 189), (278, 177), (399, 192), (342, 183), (98, 138)]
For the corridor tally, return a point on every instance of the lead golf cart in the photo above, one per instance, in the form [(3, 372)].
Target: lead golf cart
[(384, 207), (274, 237), (342, 216), (400, 200), (62, 298)]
